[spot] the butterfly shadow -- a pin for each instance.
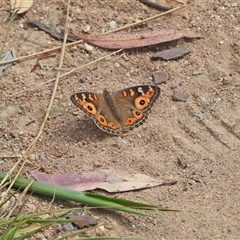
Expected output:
(84, 129)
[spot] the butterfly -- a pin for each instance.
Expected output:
(118, 112)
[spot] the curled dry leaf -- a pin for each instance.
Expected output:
(125, 40)
(21, 6)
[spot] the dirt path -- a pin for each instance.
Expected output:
(205, 130)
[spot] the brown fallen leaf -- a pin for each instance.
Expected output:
(83, 221)
(160, 77)
(178, 96)
(125, 40)
(110, 180)
(53, 32)
(172, 53)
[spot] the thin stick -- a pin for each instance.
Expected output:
(24, 158)
(31, 147)
(65, 74)
(58, 72)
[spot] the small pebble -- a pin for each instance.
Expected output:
(195, 73)
(40, 236)
(203, 99)
(75, 113)
(86, 28)
(73, 48)
(32, 157)
(226, 80)
(44, 216)
(108, 58)
(117, 65)
(87, 47)
(113, 24)
(217, 100)
(100, 231)
(126, 58)
(234, 5)
(198, 115)
(6, 205)
(79, 212)
(129, 20)
(32, 208)
(68, 226)
(84, 78)
(221, 42)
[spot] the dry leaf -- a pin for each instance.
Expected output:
(52, 31)
(110, 180)
(178, 96)
(125, 40)
(172, 53)
(6, 56)
(21, 5)
(83, 221)
(160, 77)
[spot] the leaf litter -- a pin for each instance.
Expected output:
(126, 40)
(6, 56)
(110, 180)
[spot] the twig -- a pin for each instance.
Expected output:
(31, 147)
(58, 73)
(65, 74)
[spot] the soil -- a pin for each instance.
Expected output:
(204, 131)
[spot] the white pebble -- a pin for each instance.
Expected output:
(108, 58)
(117, 65)
(87, 47)
(86, 28)
(217, 100)
(234, 4)
(113, 24)
(32, 157)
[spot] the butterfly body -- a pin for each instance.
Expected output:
(121, 111)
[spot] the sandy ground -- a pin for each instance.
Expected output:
(204, 130)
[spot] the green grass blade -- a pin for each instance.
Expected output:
(77, 196)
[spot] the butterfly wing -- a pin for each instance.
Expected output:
(95, 107)
(135, 103)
